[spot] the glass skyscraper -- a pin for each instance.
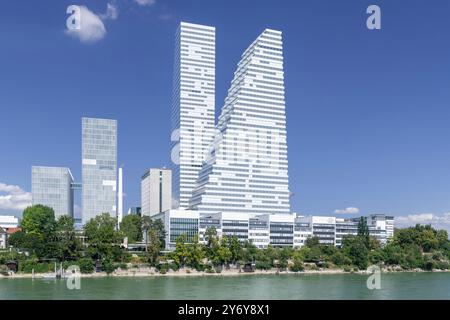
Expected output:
(193, 105)
(51, 186)
(99, 167)
(247, 170)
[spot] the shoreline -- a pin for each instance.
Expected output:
(194, 273)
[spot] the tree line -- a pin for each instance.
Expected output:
(47, 239)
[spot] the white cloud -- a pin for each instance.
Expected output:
(349, 210)
(111, 12)
(13, 197)
(91, 28)
(147, 3)
(439, 221)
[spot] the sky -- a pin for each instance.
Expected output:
(367, 110)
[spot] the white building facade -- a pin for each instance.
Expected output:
(9, 222)
(193, 108)
(277, 230)
(156, 191)
(246, 169)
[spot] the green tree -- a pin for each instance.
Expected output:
(102, 236)
(131, 226)
(154, 246)
(180, 254)
(355, 248)
(312, 242)
(39, 220)
(363, 231)
(68, 246)
(235, 248)
(38, 232)
(194, 253)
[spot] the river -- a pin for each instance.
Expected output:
(301, 286)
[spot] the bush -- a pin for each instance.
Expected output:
(441, 265)
(86, 265)
(27, 266)
(262, 265)
(122, 266)
(347, 268)
(3, 270)
(297, 266)
(174, 266)
(162, 268)
(108, 266)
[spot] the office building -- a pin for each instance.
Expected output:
(99, 168)
(178, 223)
(156, 191)
(193, 109)
(52, 187)
(247, 170)
(278, 230)
(382, 222)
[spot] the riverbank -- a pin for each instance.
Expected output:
(185, 272)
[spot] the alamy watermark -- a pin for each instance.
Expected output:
(73, 281)
(374, 280)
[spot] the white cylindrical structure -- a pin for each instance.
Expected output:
(120, 198)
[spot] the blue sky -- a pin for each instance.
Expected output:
(367, 111)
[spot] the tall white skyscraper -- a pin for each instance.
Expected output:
(247, 170)
(156, 191)
(193, 105)
(52, 187)
(99, 167)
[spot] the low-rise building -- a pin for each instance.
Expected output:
(177, 223)
(7, 222)
(278, 230)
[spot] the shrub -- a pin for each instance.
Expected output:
(108, 266)
(262, 265)
(347, 268)
(441, 265)
(297, 266)
(27, 266)
(122, 266)
(174, 266)
(86, 265)
(163, 268)
(3, 270)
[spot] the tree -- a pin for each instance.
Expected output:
(102, 236)
(355, 248)
(249, 252)
(131, 226)
(68, 246)
(158, 226)
(211, 236)
(195, 253)
(146, 224)
(312, 242)
(363, 231)
(39, 220)
(154, 247)
(38, 232)
(235, 248)
(180, 253)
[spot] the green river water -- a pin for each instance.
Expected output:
(301, 286)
